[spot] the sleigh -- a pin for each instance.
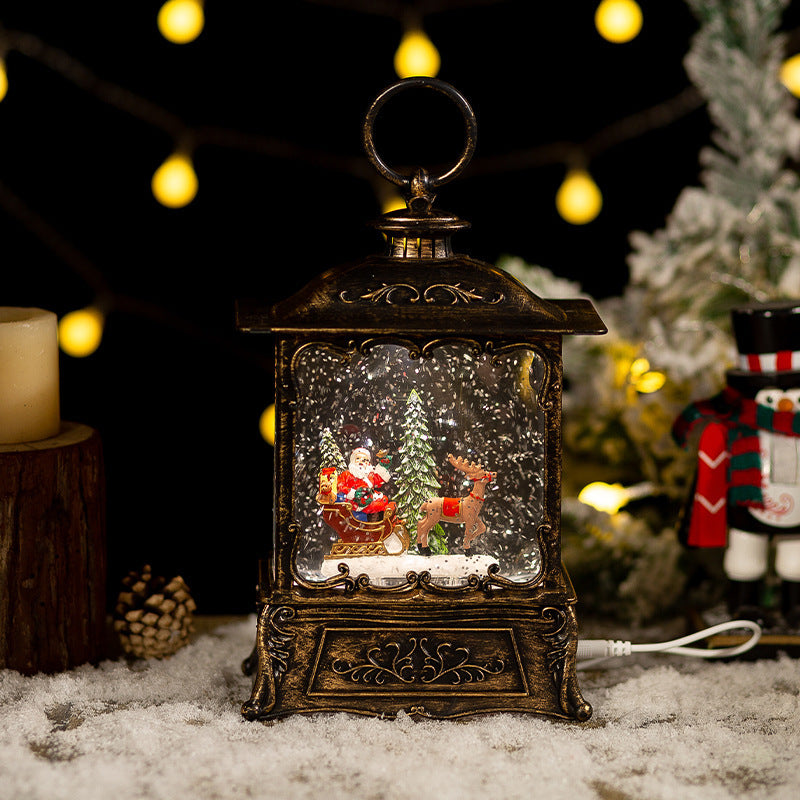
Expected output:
(383, 537)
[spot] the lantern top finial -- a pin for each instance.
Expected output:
(421, 184)
(429, 227)
(396, 290)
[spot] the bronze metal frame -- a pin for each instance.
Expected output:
(346, 644)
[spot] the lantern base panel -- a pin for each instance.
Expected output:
(437, 663)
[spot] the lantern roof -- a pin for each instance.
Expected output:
(420, 286)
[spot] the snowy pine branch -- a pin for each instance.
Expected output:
(737, 238)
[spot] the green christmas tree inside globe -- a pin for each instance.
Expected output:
(415, 474)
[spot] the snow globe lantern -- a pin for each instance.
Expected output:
(417, 558)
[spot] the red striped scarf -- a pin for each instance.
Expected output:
(743, 418)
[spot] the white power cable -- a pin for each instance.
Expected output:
(597, 650)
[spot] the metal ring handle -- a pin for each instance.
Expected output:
(427, 83)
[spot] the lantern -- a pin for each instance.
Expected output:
(417, 558)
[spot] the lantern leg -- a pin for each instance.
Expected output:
(273, 646)
(575, 704)
(562, 644)
(580, 709)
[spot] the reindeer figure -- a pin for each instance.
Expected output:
(463, 510)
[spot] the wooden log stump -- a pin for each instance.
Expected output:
(52, 552)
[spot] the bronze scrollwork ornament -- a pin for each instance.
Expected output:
(416, 565)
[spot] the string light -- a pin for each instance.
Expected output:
(3, 79)
(645, 380)
(578, 199)
(266, 425)
(618, 21)
(611, 497)
(790, 74)
(181, 21)
(80, 332)
(72, 69)
(656, 117)
(416, 55)
(174, 183)
(608, 497)
(392, 202)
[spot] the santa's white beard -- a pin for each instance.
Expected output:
(361, 471)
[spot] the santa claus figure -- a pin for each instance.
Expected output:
(360, 482)
(747, 491)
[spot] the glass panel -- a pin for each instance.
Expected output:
(415, 412)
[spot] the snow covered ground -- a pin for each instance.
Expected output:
(663, 727)
(451, 570)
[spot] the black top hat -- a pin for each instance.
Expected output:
(768, 341)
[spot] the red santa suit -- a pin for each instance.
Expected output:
(377, 477)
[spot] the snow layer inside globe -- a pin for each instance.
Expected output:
(431, 463)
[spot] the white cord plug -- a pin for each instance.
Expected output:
(597, 650)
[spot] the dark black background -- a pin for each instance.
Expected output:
(174, 390)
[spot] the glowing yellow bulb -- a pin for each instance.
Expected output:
(3, 79)
(416, 55)
(645, 380)
(639, 367)
(790, 74)
(618, 21)
(181, 21)
(608, 497)
(578, 199)
(650, 382)
(174, 182)
(266, 425)
(80, 332)
(392, 203)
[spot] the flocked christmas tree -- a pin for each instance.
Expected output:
(737, 238)
(330, 454)
(734, 239)
(415, 474)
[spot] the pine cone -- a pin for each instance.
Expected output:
(153, 618)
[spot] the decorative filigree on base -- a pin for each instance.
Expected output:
(274, 646)
(420, 581)
(454, 663)
(279, 640)
(382, 664)
(558, 640)
(418, 661)
(562, 642)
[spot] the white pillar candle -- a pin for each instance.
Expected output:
(29, 406)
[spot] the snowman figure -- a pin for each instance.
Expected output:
(747, 490)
